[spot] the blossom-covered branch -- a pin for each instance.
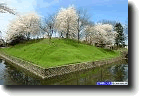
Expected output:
(4, 9)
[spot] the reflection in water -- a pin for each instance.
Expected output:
(10, 75)
(120, 72)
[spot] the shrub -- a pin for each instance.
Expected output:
(17, 39)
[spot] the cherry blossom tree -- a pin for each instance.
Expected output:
(89, 31)
(101, 33)
(30, 24)
(66, 22)
(105, 34)
(13, 29)
(26, 25)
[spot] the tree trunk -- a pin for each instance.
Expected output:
(61, 35)
(86, 38)
(78, 30)
(67, 35)
(78, 37)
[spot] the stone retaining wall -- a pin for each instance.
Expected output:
(58, 70)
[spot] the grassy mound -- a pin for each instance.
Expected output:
(48, 53)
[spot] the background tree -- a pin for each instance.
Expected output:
(66, 22)
(120, 39)
(105, 34)
(126, 31)
(26, 25)
(89, 31)
(82, 21)
(100, 34)
(30, 24)
(111, 22)
(48, 25)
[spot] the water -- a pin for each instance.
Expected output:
(9, 75)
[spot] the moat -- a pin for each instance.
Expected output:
(116, 72)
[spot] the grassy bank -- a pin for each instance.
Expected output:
(58, 52)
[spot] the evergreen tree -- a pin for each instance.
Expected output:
(120, 38)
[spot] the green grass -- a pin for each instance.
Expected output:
(58, 52)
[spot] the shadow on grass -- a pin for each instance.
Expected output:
(71, 42)
(25, 43)
(107, 50)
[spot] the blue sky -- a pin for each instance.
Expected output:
(115, 10)
(98, 9)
